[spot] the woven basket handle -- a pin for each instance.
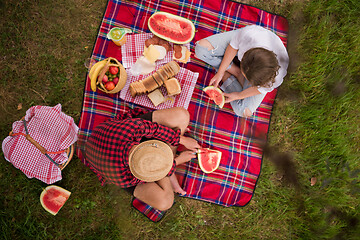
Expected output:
(36, 144)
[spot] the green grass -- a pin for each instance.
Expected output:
(314, 126)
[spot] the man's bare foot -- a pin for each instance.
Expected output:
(175, 185)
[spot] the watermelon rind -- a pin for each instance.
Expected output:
(200, 160)
(191, 24)
(65, 192)
(206, 90)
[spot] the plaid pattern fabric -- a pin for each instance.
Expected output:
(233, 184)
(150, 212)
(108, 147)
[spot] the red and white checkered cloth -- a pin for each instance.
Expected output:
(134, 48)
(53, 130)
(187, 80)
(131, 51)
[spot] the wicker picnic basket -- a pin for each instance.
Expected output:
(69, 151)
(122, 77)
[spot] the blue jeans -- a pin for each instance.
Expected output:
(214, 57)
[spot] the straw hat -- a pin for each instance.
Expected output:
(151, 160)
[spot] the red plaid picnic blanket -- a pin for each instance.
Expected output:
(233, 184)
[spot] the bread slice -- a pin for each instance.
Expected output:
(172, 87)
(156, 97)
(150, 84)
(162, 75)
(157, 78)
(137, 88)
(174, 67)
(132, 90)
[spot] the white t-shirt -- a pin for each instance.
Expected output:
(254, 36)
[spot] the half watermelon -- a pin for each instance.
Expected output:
(209, 160)
(53, 198)
(171, 27)
(216, 95)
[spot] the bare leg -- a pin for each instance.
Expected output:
(158, 194)
(205, 43)
(177, 117)
(233, 70)
(247, 112)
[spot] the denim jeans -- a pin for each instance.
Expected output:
(214, 57)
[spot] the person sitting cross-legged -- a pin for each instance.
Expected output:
(136, 151)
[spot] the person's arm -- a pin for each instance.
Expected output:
(229, 55)
(189, 143)
(184, 157)
(249, 92)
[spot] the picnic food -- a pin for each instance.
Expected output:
(156, 97)
(154, 81)
(94, 72)
(53, 198)
(151, 53)
(113, 70)
(110, 86)
(209, 160)
(142, 66)
(216, 95)
(172, 28)
(108, 75)
(172, 86)
(181, 53)
(146, 63)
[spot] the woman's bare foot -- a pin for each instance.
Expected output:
(175, 185)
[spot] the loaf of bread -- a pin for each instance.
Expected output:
(154, 81)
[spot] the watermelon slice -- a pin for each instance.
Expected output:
(216, 95)
(53, 198)
(172, 28)
(209, 160)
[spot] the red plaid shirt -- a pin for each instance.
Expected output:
(107, 149)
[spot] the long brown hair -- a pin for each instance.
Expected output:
(260, 66)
